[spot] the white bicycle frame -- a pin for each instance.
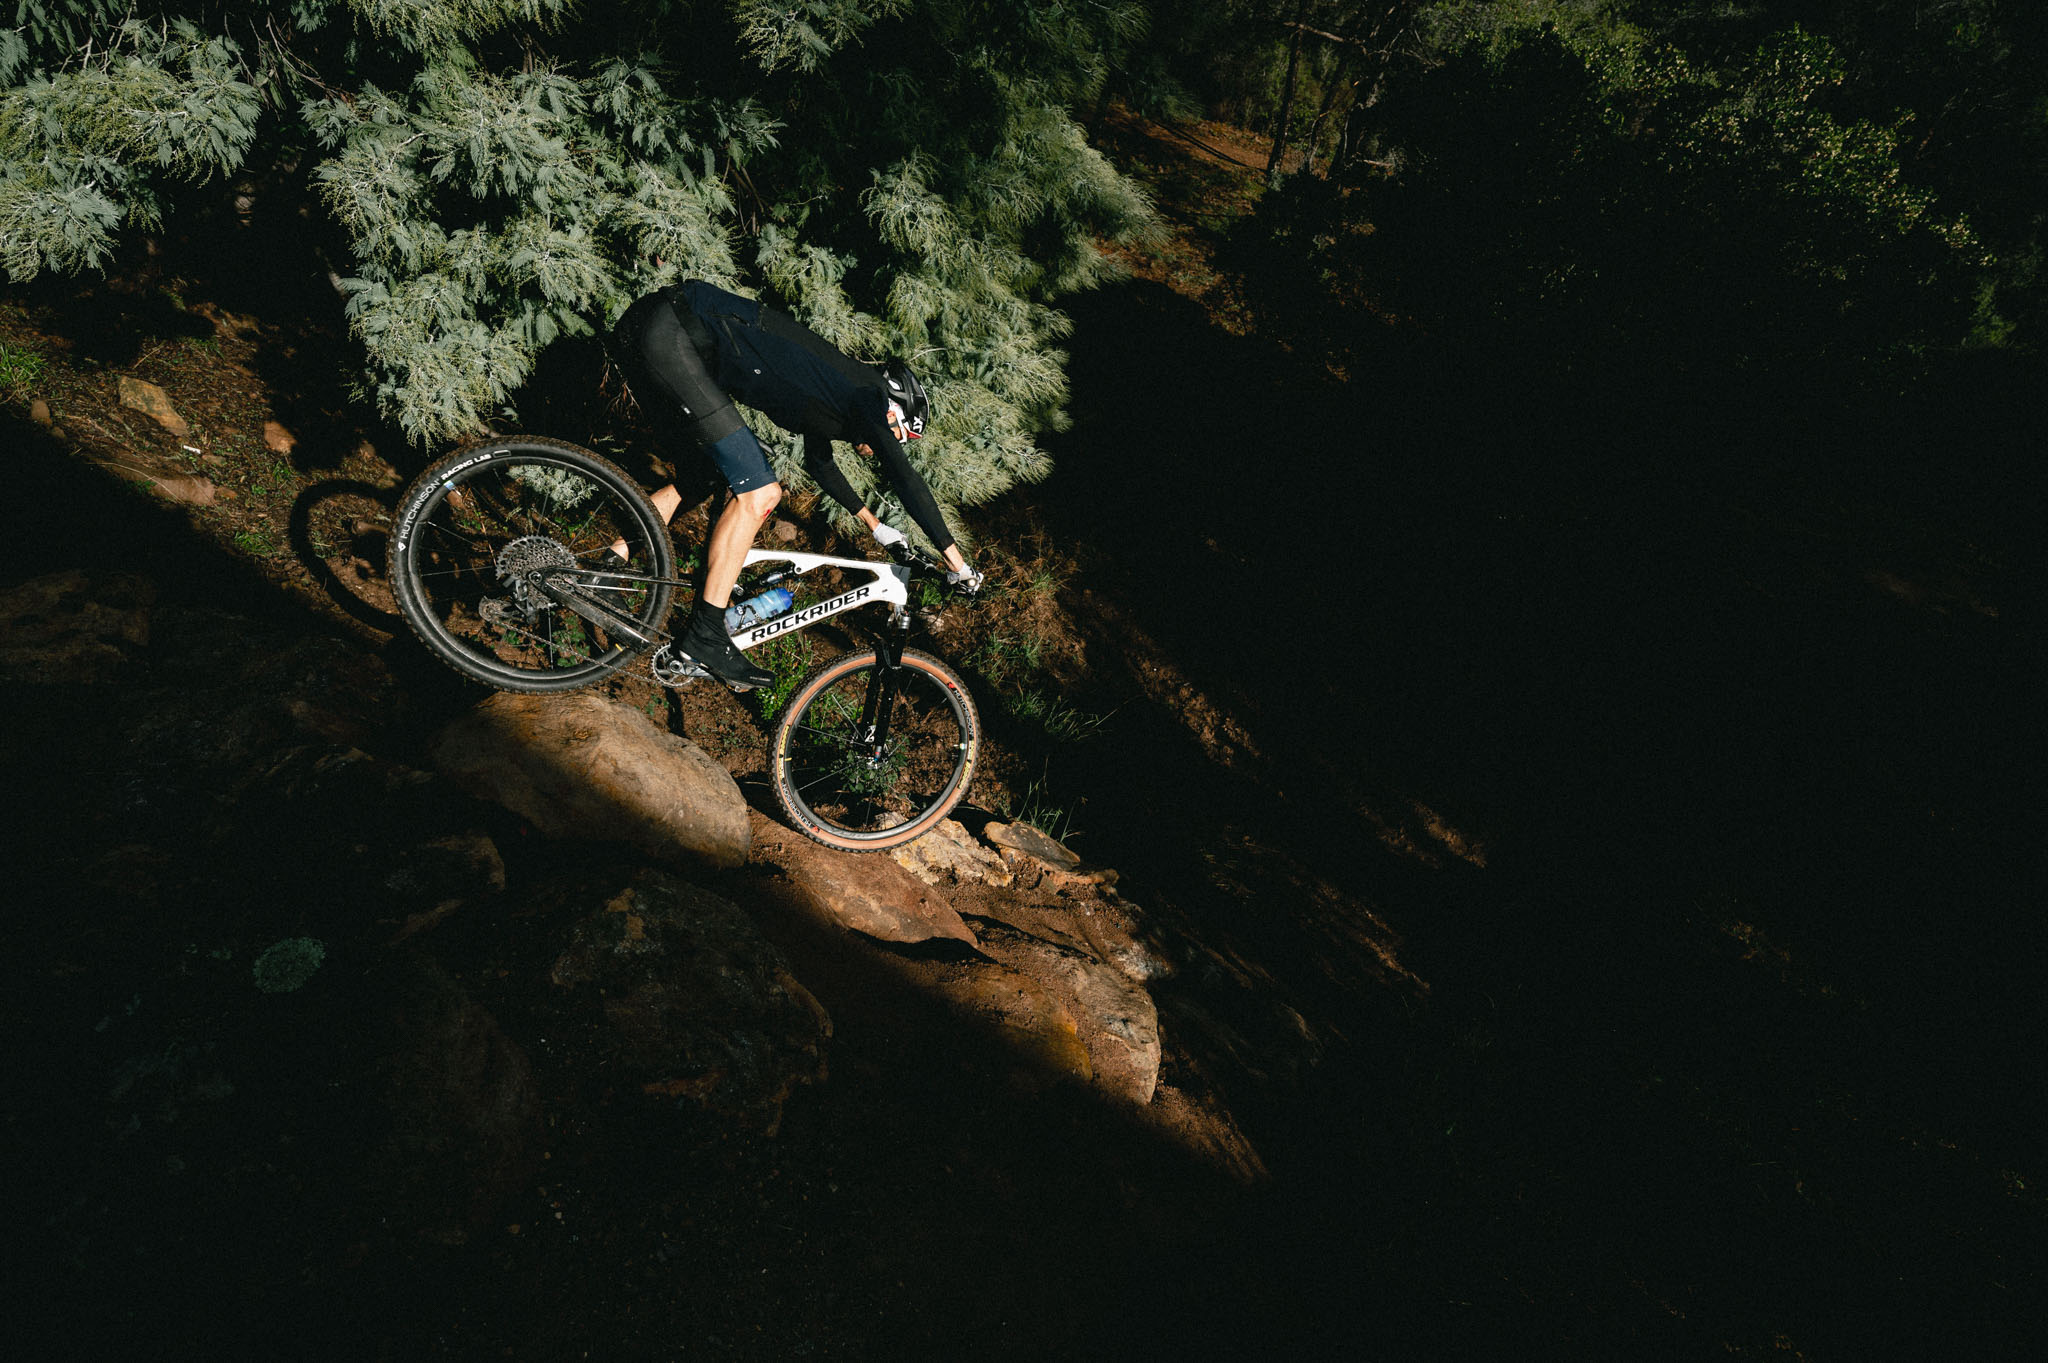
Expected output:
(888, 583)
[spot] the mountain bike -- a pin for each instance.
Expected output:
(505, 561)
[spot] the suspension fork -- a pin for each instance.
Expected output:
(881, 697)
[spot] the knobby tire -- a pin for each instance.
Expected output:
(474, 523)
(839, 792)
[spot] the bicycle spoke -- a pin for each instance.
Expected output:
(548, 644)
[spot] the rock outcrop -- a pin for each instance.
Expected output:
(584, 766)
(867, 894)
(446, 1101)
(1049, 975)
(71, 627)
(950, 853)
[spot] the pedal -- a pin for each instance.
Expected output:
(675, 669)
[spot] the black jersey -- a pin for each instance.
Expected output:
(786, 371)
(702, 346)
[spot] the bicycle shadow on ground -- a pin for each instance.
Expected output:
(340, 530)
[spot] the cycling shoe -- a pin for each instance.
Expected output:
(707, 644)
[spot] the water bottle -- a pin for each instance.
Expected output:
(758, 609)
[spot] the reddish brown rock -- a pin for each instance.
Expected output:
(1022, 837)
(949, 853)
(681, 998)
(1113, 1016)
(160, 477)
(153, 403)
(585, 766)
(1031, 1020)
(858, 892)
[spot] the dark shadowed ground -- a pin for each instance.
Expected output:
(1729, 1038)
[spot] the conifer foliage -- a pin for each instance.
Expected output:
(904, 175)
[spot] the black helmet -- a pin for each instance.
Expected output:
(907, 393)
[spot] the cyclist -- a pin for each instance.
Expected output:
(693, 348)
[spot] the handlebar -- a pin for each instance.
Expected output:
(904, 555)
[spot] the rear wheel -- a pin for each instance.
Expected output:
(858, 780)
(474, 530)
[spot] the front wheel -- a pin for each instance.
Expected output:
(860, 775)
(477, 529)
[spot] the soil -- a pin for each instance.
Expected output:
(1595, 889)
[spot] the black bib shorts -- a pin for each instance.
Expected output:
(667, 354)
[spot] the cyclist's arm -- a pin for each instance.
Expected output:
(917, 498)
(909, 485)
(824, 469)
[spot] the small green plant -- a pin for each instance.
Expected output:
(872, 780)
(19, 371)
(287, 965)
(1043, 580)
(1035, 807)
(791, 659)
(1063, 721)
(326, 540)
(275, 478)
(1003, 656)
(256, 543)
(569, 633)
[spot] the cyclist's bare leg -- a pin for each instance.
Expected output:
(666, 499)
(704, 639)
(732, 536)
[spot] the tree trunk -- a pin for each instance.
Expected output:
(1286, 101)
(1331, 86)
(1371, 87)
